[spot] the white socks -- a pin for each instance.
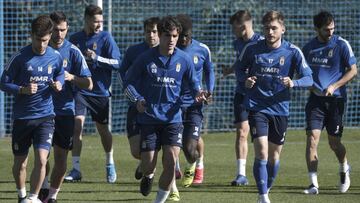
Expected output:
(21, 192)
(161, 196)
(343, 167)
(241, 167)
(313, 179)
(109, 157)
(76, 162)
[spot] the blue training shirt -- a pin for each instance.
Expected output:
(107, 59)
(269, 65)
(74, 63)
(26, 67)
(201, 57)
(329, 62)
(158, 80)
(239, 45)
(130, 56)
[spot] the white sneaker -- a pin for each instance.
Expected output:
(344, 181)
(27, 200)
(263, 199)
(312, 190)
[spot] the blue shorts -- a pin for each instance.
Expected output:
(98, 107)
(274, 127)
(153, 136)
(64, 131)
(132, 126)
(240, 112)
(325, 112)
(192, 120)
(38, 132)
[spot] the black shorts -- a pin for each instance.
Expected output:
(262, 124)
(38, 132)
(153, 136)
(64, 131)
(98, 107)
(192, 120)
(240, 112)
(325, 112)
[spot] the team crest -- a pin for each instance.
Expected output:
(282, 60)
(196, 60)
(65, 63)
(94, 46)
(178, 67)
(331, 53)
(153, 68)
(49, 70)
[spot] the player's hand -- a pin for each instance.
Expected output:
(226, 71)
(68, 76)
(287, 82)
(209, 98)
(250, 82)
(30, 89)
(200, 96)
(56, 85)
(90, 54)
(141, 106)
(330, 90)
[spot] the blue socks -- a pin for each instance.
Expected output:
(261, 175)
(272, 171)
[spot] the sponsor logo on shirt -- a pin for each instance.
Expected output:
(39, 78)
(319, 60)
(166, 80)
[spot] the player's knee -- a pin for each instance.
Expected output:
(334, 145)
(135, 153)
(191, 153)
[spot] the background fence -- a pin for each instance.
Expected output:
(211, 26)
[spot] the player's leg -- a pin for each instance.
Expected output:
(241, 143)
(199, 169)
(334, 127)
(20, 143)
(44, 191)
(314, 121)
(134, 138)
(62, 141)
(80, 112)
(259, 125)
(277, 131)
(149, 153)
(42, 140)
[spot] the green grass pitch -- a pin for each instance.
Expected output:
(219, 171)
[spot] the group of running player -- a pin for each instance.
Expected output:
(55, 85)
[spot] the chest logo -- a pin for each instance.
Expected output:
(49, 69)
(94, 46)
(331, 53)
(282, 60)
(65, 63)
(196, 60)
(178, 67)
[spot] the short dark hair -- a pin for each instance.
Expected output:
(273, 15)
(41, 26)
(169, 23)
(240, 16)
(92, 10)
(151, 22)
(58, 16)
(323, 18)
(185, 22)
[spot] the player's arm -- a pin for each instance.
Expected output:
(7, 80)
(133, 75)
(113, 53)
(81, 76)
(59, 77)
(125, 65)
(194, 83)
(303, 70)
(347, 55)
(209, 77)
